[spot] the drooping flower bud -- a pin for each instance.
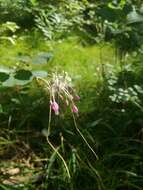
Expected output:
(55, 107)
(74, 109)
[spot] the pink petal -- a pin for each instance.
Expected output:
(74, 109)
(55, 107)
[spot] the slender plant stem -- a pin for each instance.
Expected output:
(84, 138)
(49, 130)
(100, 183)
(52, 146)
(60, 156)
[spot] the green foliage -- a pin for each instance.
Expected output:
(60, 21)
(7, 31)
(111, 106)
(120, 21)
(110, 119)
(19, 11)
(123, 89)
(18, 76)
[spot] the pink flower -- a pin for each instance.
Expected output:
(55, 107)
(74, 109)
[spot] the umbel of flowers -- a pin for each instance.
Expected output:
(60, 88)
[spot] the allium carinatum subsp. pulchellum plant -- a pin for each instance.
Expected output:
(61, 95)
(60, 90)
(61, 86)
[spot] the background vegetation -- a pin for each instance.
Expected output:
(99, 43)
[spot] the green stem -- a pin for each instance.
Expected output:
(84, 138)
(55, 149)
(60, 156)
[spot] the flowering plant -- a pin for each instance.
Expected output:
(60, 87)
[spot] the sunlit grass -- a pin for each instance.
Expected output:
(69, 55)
(83, 63)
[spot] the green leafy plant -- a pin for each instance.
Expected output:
(56, 22)
(7, 31)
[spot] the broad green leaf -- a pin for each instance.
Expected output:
(134, 17)
(40, 73)
(3, 76)
(39, 60)
(42, 58)
(4, 69)
(23, 74)
(11, 82)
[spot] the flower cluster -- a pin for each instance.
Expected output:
(60, 87)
